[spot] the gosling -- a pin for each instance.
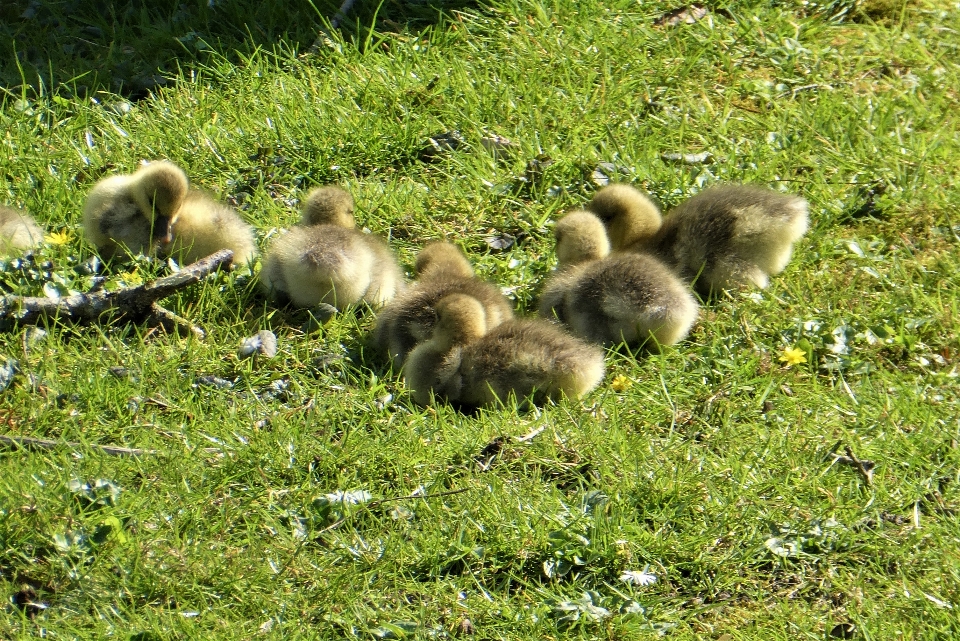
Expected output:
(441, 269)
(726, 237)
(203, 226)
(130, 214)
(18, 230)
(734, 235)
(326, 259)
(467, 363)
(629, 215)
(630, 298)
(154, 211)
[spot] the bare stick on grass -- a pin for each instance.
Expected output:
(133, 303)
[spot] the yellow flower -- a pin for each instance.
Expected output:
(58, 238)
(620, 383)
(793, 356)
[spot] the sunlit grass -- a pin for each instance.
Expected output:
(710, 467)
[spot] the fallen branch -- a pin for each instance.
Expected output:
(173, 323)
(30, 443)
(342, 13)
(133, 303)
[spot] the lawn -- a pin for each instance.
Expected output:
(696, 494)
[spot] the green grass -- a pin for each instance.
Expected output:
(711, 469)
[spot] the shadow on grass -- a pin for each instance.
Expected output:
(131, 47)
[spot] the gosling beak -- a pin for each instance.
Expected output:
(165, 226)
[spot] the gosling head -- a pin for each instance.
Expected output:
(581, 237)
(330, 205)
(461, 319)
(442, 259)
(159, 189)
(129, 213)
(629, 215)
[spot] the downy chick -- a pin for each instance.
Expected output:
(326, 259)
(130, 214)
(625, 297)
(469, 363)
(725, 237)
(733, 235)
(628, 214)
(442, 260)
(154, 210)
(18, 230)
(581, 238)
(441, 269)
(202, 226)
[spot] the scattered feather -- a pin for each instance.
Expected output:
(605, 173)
(501, 242)
(682, 15)
(440, 145)
(263, 343)
(208, 380)
(99, 492)
(702, 158)
(351, 497)
(938, 602)
(586, 607)
(34, 335)
(497, 144)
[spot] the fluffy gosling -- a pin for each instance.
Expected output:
(626, 297)
(18, 230)
(628, 214)
(467, 363)
(130, 214)
(442, 260)
(724, 237)
(202, 226)
(733, 235)
(441, 269)
(326, 259)
(154, 210)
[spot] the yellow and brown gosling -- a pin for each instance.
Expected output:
(155, 211)
(130, 214)
(726, 237)
(608, 299)
(469, 363)
(441, 269)
(733, 235)
(326, 259)
(18, 230)
(628, 214)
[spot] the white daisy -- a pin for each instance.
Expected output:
(639, 577)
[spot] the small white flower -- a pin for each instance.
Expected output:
(639, 577)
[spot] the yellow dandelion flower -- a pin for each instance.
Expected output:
(620, 383)
(58, 238)
(793, 356)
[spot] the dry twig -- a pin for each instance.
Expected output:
(863, 466)
(134, 303)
